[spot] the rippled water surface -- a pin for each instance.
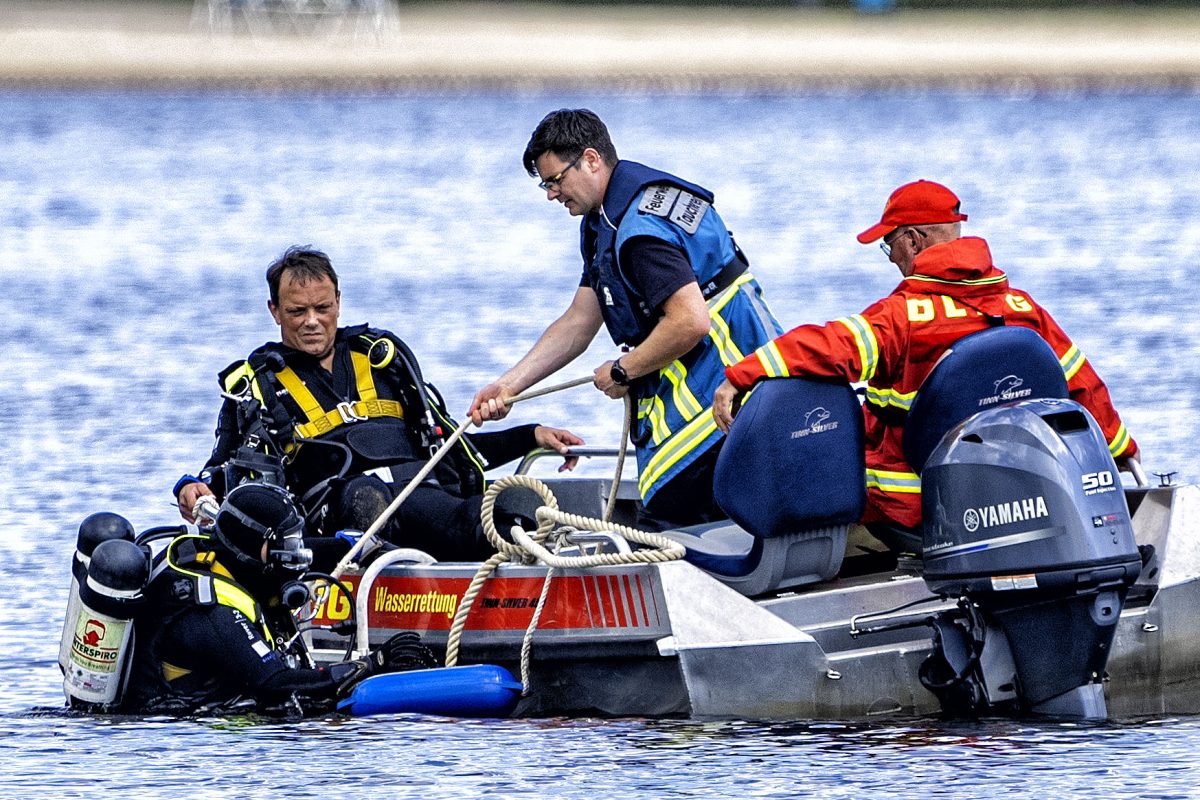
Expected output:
(134, 230)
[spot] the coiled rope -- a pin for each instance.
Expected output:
(530, 548)
(369, 535)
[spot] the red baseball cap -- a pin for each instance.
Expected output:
(916, 203)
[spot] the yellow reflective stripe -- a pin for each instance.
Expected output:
(771, 360)
(243, 373)
(368, 409)
(864, 339)
(1001, 278)
(682, 443)
(300, 393)
(890, 397)
(362, 375)
(658, 421)
(894, 482)
(685, 402)
(719, 302)
(656, 410)
(1072, 361)
(1120, 442)
(718, 331)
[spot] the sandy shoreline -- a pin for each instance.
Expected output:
(513, 44)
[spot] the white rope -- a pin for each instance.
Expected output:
(529, 548)
(527, 639)
(368, 537)
(664, 549)
(621, 449)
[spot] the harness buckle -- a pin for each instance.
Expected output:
(347, 412)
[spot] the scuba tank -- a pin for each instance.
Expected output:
(102, 640)
(99, 527)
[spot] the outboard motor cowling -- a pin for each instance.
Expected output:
(1025, 520)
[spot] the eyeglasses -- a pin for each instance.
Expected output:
(554, 180)
(886, 244)
(888, 241)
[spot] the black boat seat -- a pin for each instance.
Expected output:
(791, 478)
(981, 371)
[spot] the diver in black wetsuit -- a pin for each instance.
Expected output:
(215, 635)
(349, 420)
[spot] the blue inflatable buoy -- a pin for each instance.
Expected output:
(476, 690)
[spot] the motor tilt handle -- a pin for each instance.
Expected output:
(371, 532)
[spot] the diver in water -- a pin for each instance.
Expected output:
(216, 633)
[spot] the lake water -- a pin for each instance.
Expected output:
(134, 231)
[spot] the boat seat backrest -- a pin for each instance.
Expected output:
(981, 371)
(794, 459)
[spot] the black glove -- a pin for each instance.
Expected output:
(400, 653)
(517, 505)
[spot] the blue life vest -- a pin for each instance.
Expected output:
(675, 424)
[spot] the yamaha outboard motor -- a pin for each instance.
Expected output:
(1026, 523)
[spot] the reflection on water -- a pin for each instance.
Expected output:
(422, 757)
(135, 229)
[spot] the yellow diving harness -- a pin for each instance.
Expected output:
(370, 352)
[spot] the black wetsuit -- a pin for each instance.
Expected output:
(203, 647)
(441, 517)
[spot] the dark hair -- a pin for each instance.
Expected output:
(567, 133)
(304, 263)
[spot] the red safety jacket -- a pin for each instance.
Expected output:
(893, 345)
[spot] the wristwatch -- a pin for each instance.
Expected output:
(618, 374)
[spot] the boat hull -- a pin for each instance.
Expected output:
(668, 640)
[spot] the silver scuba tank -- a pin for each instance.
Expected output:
(102, 639)
(99, 527)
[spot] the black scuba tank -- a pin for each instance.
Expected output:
(102, 639)
(99, 527)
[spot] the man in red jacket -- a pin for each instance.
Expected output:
(950, 289)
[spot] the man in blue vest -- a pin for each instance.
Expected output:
(664, 276)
